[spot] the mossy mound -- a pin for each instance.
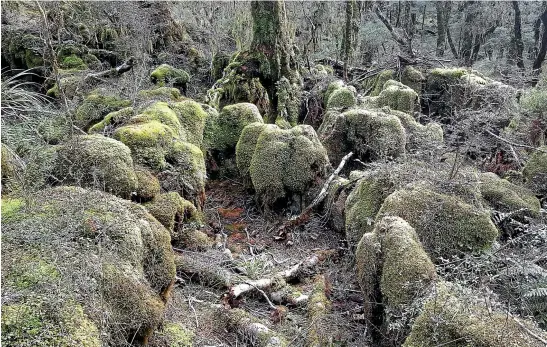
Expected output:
(535, 171)
(369, 134)
(445, 224)
(73, 62)
(161, 94)
(392, 270)
(413, 78)
(363, 203)
(148, 185)
(173, 334)
(395, 95)
(419, 137)
(112, 121)
(450, 318)
(376, 83)
(98, 162)
(284, 162)
(69, 86)
(165, 74)
(96, 106)
(341, 98)
(505, 196)
(224, 132)
(192, 118)
(331, 88)
(83, 268)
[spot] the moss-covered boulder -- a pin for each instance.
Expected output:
(148, 185)
(413, 78)
(284, 162)
(455, 318)
(181, 218)
(97, 162)
(23, 49)
(192, 118)
(166, 74)
(73, 62)
(96, 106)
(535, 171)
(334, 85)
(341, 98)
(392, 270)
(445, 224)
(505, 196)
(70, 85)
(370, 134)
(246, 145)
(364, 202)
(418, 136)
(161, 94)
(375, 84)
(395, 95)
(111, 121)
(82, 268)
(224, 133)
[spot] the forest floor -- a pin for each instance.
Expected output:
(258, 252)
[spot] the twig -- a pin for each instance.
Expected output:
(528, 330)
(264, 295)
(513, 143)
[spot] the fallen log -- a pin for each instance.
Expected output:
(117, 71)
(318, 308)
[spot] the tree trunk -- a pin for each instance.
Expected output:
(346, 40)
(467, 38)
(543, 47)
(448, 7)
(441, 28)
(519, 45)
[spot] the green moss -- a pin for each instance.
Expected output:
(397, 96)
(331, 88)
(246, 145)
(342, 97)
(376, 83)
(32, 270)
(220, 61)
(161, 94)
(363, 204)
(413, 78)
(418, 136)
(112, 120)
(506, 196)
(148, 185)
(167, 74)
(28, 324)
(286, 162)
(96, 106)
(239, 320)
(172, 211)
(11, 209)
(445, 225)
(99, 162)
(149, 142)
(535, 171)
(534, 100)
(318, 307)
(160, 112)
(454, 73)
(73, 62)
(192, 118)
(175, 335)
(407, 269)
(451, 319)
(231, 121)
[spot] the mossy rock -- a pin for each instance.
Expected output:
(161, 94)
(419, 137)
(535, 171)
(450, 318)
(341, 98)
(286, 162)
(246, 145)
(83, 268)
(112, 121)
(363, 203)
(445, 224)
(173, 334)
(96, 106)
(376, 83)
(98, 162)
(23, 50)
(73, 62)
(148, 185)
(70, 86)
(192, 118)
(505, 196)
(534, 100)
(392, 267)
(172, 211)
(220, 62)
(164, 74)
(331, 88)
(230, 122)
(397, 96)
(413, 78)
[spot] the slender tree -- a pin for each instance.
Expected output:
(517, 43)
(543, 46)
(441, 27)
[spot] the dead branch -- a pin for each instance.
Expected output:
(121, 69)
(513, 143)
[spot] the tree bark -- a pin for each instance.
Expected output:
(543, 47)
(519, 45)
(402, 40)
(466, 51)
(346, 40)
(441, 28)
